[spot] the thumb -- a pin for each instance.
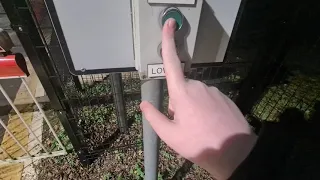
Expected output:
(159, 122)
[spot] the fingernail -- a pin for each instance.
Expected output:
(172, 23)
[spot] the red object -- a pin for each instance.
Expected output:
(13, 66)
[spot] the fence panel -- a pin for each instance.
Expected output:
(23, 139)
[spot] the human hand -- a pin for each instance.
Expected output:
(207, 128)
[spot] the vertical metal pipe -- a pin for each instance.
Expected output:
(77, 82)
(117, 91)
(21, 118)
(152, 91)
(43, 114)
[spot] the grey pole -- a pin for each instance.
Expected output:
(152, 91)
(117, 91)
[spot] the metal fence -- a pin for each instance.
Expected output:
(264, 72)
(22, 139)
(29, 129)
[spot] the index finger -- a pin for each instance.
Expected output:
(171, 61)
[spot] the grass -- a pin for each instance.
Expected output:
(64, 139)
(121, 163)
(131, 83)
(301, 92)
(49, 140)
(137, 172)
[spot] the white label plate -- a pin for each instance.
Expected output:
(173, 1)
(157, 70)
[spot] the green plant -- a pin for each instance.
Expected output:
(58, 160)
(64, 139)
(98, 88)
(95, 114)
(138, 117)
(137, 172)
(119, 177)
(139, 143)
(119, 155)
(167, 155)
(160, 176)
(107, 176)
(70, 162)
(131, 84)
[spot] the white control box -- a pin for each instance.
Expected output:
(148, 19)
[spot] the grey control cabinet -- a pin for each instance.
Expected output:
(98, 34)
(117, 36)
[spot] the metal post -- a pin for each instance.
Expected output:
(118, 99)
(151, 91)
(76, 82)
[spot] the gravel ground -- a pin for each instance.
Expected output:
(99, 123)
(120, 164)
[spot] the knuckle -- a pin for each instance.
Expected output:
(214, 89)
(200, 85)
(196, 86)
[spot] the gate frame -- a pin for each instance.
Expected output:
(22, 21)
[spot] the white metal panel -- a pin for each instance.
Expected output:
(225, 13)
(215, 28)
(98, 33)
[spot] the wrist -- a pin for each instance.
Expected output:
(232, 154)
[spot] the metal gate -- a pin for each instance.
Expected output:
(23, 139)
(29, 131)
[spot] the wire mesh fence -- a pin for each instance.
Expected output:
(113, 146)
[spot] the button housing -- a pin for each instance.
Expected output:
(173, 12)
(148, 20)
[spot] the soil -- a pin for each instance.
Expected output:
(124, 157)
(120, 164)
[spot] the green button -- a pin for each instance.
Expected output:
(175, 14)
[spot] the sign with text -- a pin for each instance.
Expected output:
(157, 70)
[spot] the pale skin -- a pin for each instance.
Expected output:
(207, 127)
